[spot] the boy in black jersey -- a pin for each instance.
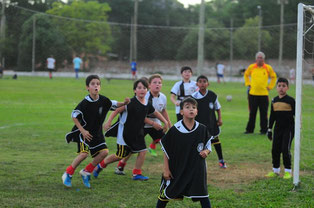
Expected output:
(282, 112)
(88, 117)
(130, 130)
(185, 146)
(208, 105)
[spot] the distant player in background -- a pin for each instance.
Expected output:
(51, 64)
(133, 69)
(208, 106)
(220, 72)
(182, 89)
(88, 117)
(185, 146)
(77, 61)
(282, 113)
(256, 78)
(292, 75)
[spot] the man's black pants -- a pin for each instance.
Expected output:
(261, 103)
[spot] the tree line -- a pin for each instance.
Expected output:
(166, 30)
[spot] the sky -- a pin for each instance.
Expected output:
(187, 2)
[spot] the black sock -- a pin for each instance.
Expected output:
(161, 204)
(205, 203)
(219, 151)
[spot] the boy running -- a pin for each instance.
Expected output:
(208, 106)
(129, 130)
(159, 101)
(182, 89)
(282, 112)
(185, 146)
(88, 117)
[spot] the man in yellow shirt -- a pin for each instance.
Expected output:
(257, 77)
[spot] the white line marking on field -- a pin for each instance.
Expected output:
(9, 126)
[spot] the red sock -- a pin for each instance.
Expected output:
(121, 164)
(89, 168)
(157, 141)
(137, 171)
(102, 164)
(152, 146)
(70, 170)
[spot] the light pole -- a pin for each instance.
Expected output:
(281, 2)
(259, 27)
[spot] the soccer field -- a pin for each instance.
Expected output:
(35, 115)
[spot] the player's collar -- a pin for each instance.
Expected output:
(89, 99)
(182, 128)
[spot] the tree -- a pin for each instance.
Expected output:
(49, 41)
(88, 32)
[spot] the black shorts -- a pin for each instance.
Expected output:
(163, 186)
(123, 151)
(81, 147)
(155, 134)
(215, 140)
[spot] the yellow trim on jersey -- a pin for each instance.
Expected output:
(257, 77)
(282, 106)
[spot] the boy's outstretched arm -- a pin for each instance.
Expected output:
(85, 133)
(153, 124)
(161, 118)
(126, 101)
(112, 116)
(166, 174)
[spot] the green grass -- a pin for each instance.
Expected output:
(35, 116)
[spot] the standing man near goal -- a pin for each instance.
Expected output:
(256, 78)
(51, 65)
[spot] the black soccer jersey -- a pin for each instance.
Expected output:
(188, 168)
(91, 115)
(282, 112)
(207, 105)
(131, 124)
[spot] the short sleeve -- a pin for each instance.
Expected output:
(175, 89)
(114, 105)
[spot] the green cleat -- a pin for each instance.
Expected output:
(287, 175)
(152, 152)
(272, 175)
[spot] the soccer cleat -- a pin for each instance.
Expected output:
(119, 171)
(152, 152)
(287, 175)
(272, 175)
(85, 177)
(96, 171)
(140, 177)
(223, 164)
(66, 178)
(248, 132)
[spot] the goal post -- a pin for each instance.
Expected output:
(301, 32)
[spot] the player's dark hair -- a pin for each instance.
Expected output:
(201, 77)
(144, 82)
(188, 100)
(186, 68)
(90, 78)
(284, 80)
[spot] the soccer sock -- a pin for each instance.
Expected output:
(288, 170)
(102, 164)
(89, 168)
(205, 203)
(276, 170)
(137, 171)
(161, 204)
(121, 164)
(152, 146)
(219, 151)
(70, 170)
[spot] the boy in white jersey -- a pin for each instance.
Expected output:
(182, 89)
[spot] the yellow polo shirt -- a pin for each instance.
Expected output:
(257, 77)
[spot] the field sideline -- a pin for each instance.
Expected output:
(35, 116)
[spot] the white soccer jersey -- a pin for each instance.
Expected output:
(159, 103)
(189, 89)
(51, 63)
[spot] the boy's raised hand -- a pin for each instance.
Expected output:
(126, 101)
